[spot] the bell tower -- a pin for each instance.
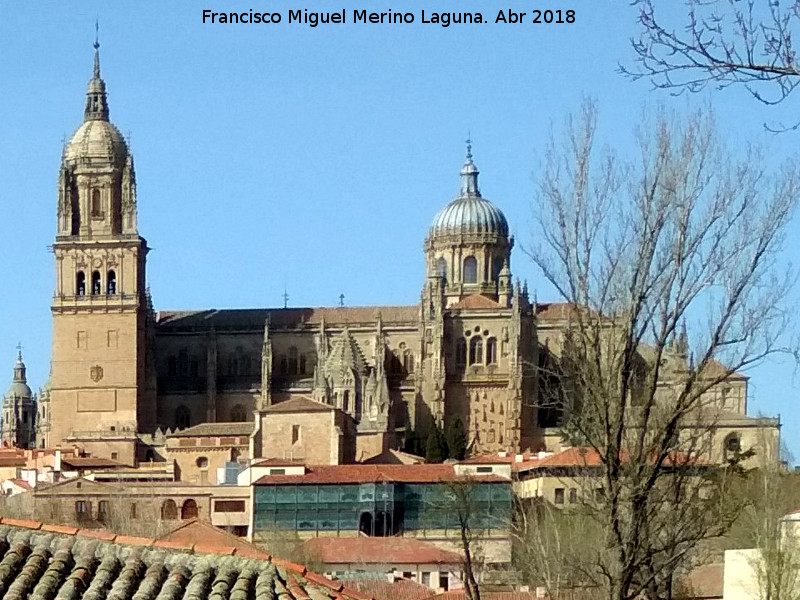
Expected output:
(99, 388)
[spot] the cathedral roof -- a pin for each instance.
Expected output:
(344, 356)
(246, 319)
(470, 212)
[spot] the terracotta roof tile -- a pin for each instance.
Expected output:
(65, 529)
(371, 473)
(130, 540)
(369, 550)
(216, 430)
(220, 574)
(400, 589)
(476, 302)
(100, 534)
(299, 405)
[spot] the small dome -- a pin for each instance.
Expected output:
(19, 386)
(470, 214)
(97, 140)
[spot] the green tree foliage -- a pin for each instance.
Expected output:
(456, 437)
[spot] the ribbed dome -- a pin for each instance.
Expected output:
(97, 140)
(471, 214)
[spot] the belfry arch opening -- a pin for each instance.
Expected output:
(80, 283)
(96, 283)
(111, 283)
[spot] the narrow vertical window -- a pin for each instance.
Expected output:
(97, 205)
(111, 283)
(441, 269)
(476, 351)
(461, 352)
(292, 361)
(295, 434)
(96, 286)
(491, 351)
(80, 283)
(470, 274)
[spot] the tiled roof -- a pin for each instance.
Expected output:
(278, 462)
(371, 474)
(378, 550)
(299, 405)
(252, 319)
(197, 531)
(554, 311)
(12, 461)
(90, 462)
(394, 457)
(476, 301)
(21, 483)
(47, 561)
(460, 595)
(216, 429)
(706, 581)
(399, 589)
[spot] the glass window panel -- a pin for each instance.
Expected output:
(285, 495)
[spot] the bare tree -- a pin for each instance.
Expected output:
(719, 42)
(687, 231)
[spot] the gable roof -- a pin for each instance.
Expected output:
(100, 564)
(394, 457)
(216, 429)
(299, 405)
(197, 531)
(476, 302)
(378, 551)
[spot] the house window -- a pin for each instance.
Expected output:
(461, 352)
(229, 506)
(302, 364)
(483, 470)
(83, 510)
(573, 495)
(189, 510)
(491, 351)
(114, 455)
(202, 462)
(102, 511)
(277, 471)
(559, 496)
(133, 510)
(408, 361)
(476, 351)
(470, 270)
(426, 578)
(295, 434)
(732, 446)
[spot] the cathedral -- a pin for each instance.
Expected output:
(122, 371)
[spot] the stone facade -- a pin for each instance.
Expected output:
(468, 351)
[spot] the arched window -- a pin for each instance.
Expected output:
(292, 360)
(111, 283)
(302, 364)
(408, 361)
(80, 283)
(441, 268)
(183, 417)
(346, 401)
(732, 446)
(238, 414)
(96, 287)
(461, 352)
(169, 510)
(189, 510)
(97, 205)
(233, 365)
(491, 351)
(476, 350)
(470, 274)
(202, 462)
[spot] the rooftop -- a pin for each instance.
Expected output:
(216, 429)
(43, 561)
(378, 550)
(331, 474)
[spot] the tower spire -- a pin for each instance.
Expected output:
(96, 101)
(469, 174)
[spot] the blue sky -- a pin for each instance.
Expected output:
(272, 156)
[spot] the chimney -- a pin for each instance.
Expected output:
(518, 458)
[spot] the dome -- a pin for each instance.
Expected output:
(97, 140)
(470, 214)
